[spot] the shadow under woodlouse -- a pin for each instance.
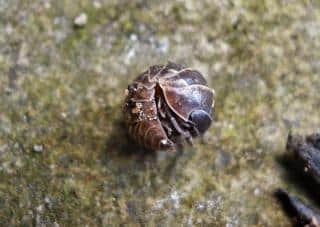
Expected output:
(119, 144)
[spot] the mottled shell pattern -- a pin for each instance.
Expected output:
(166, 105)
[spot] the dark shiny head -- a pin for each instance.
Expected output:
(201, 119)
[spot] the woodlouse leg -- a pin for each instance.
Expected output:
(167, 128)
(176, 126)
(189, 140)
(160, 110)
(196, 130)
(165, 113)
(190, 124)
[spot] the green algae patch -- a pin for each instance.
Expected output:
(65, 157)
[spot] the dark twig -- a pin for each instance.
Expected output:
(307, 151)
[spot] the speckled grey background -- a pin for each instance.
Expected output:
(65, 159)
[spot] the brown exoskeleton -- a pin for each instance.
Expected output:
(166, 105)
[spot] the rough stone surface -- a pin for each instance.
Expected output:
(62, 88)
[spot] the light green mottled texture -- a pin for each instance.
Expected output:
(65, 158)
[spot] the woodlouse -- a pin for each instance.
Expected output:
(166, 105)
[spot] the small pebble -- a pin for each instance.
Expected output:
(47, 200)
(38, 148)
(64, 115)
(55, 224)
(9, 29)
(97, 4)
(47, 5)
(257, 191)
(40, 209)
(133, 37)
(81, 20)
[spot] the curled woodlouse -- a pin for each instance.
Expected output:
(166, 105)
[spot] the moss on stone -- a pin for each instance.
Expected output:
(62, 87)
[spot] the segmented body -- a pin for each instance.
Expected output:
(159, 104)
